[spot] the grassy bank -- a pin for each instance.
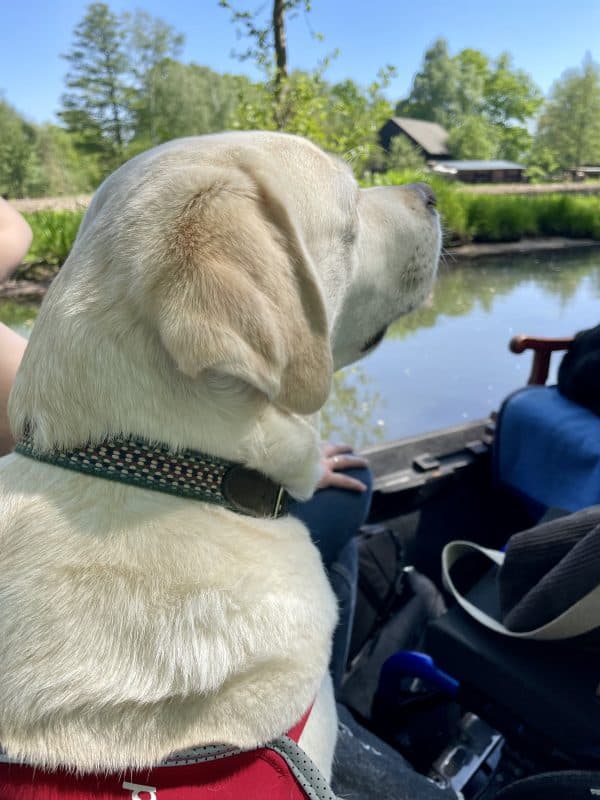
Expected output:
(53, 235)
(466, 217)
(505, 218)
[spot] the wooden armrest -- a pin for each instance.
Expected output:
(543, 348)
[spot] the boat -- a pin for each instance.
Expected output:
(472, 710)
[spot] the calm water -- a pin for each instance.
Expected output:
(448, 362)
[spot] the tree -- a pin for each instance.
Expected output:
(151, 43)
(187, 100)
(403, 155)
(570, 123)
(268, 48)
(18, 162)
(514, 143)
(542, 164)
(473, 71)
(39, 160)
(98, 107)
(509, 95)
(435, 93)
(483, 103)
(63, 170)
(342, 118)
(475, 137)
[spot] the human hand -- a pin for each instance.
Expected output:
(340, 457)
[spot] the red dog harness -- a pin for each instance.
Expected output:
(278, 771)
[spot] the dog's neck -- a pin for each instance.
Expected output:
(189, 474)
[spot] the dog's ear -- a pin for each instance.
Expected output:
(241, 296)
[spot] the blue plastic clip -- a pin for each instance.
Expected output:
(407, 663)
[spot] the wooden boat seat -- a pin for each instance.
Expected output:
(542, 348)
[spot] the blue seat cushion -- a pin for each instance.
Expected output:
(547, 449)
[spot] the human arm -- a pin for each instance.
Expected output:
(12, 347)
(15, 238)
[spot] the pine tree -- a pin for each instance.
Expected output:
(97, 109)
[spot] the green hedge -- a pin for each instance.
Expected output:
(466, 217)
(504, 218)
(53, 235)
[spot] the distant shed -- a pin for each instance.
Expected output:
(429, 137)
(480, 171)
(581, 173)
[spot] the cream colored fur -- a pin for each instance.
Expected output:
(214, 285)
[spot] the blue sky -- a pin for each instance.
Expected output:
(544, 36)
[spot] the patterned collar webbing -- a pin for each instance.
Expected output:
(189, 474)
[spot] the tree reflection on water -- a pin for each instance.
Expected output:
(461, 288)
(349, 415)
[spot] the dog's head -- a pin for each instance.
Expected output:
(246, 260)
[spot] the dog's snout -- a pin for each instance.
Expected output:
(425, 192)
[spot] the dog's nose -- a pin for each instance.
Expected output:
(425, 191)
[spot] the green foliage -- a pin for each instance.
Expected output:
(115, 82)
(568, 215)
(542, 163)
(481, 102)
(38, 160)
(18, 162)
(570, 123)
(500, 218)
(435, 91)
(341, 118)
(404, 155)
(450, 88)
(475, 137)
(509, 94)
(53, 235)
(151, 45)
(97, 108)
(187, 100)
(514, 143)
(62, 169)
(348, 414)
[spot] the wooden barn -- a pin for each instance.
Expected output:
(428, 137)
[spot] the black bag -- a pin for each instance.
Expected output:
(381, 582)
(394, 604)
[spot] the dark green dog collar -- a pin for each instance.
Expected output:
(188, 474)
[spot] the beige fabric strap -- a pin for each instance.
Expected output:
(581, 617)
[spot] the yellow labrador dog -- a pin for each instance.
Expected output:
(215, 284)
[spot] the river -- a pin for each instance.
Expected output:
(448, 362)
